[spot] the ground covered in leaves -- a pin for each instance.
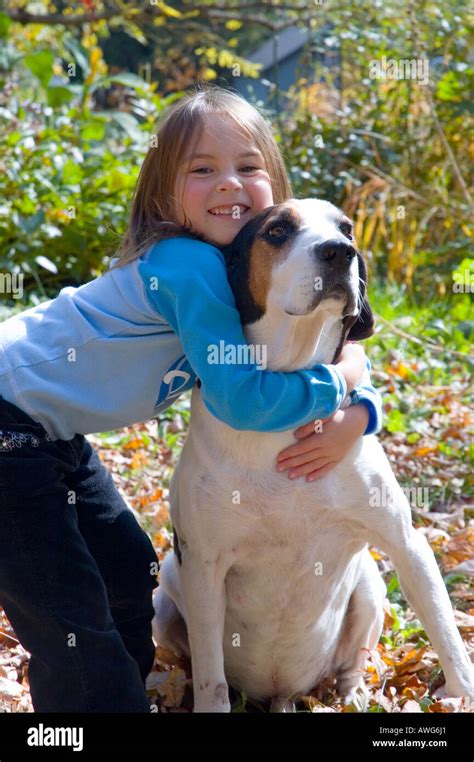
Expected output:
(427, 436)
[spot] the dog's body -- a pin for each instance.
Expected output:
(273, 577)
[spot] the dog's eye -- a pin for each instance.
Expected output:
(276, 231)
(346, 229)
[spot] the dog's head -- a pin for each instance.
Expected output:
(299, 257)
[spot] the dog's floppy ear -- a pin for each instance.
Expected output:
(360, 326)
(363, 326)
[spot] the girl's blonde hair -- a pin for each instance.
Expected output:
(153, 209)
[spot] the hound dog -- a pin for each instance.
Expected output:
(277, 590)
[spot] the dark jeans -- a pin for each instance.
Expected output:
(76, 572)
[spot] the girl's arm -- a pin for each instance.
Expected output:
(186, 283)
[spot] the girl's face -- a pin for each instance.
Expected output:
(224, 186)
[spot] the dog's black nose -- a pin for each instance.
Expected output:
(339, 251)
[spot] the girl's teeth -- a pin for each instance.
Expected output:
(225, 212)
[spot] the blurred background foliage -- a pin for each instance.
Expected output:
(82, 87)
(76, 117)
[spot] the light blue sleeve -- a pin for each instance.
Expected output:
(370, 397)
(186, 283)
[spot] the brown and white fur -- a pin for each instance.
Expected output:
(271, 586)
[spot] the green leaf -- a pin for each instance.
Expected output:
(13, 138)
(395, 421)
(393, 585)
(239, 706)
(94, 130)
(5, 22)
(126, 78)
(58, 96)
(41, 64)
(128, 124)
(30, 224)
(129, 80)
(425, 703)
(27, 207)
(79, 53)
(449, 87)
(117, 180)
(466, 327)
(72, 172)
(74, 240)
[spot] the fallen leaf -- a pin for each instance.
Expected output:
(10, 688)
(412, 706)
(172, 689)
(459, 549)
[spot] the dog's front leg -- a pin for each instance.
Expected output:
(203, 587)
(424, 589)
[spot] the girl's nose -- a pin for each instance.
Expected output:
(228, 182)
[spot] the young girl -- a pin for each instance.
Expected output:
(76, 570)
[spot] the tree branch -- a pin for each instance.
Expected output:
(20, 16)
(213, 13)
(426, 343)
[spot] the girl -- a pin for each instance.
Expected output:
(76, 570)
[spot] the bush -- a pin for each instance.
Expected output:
(67, 171)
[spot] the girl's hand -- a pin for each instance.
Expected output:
(317, 453)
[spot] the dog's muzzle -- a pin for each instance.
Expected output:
(334, 260)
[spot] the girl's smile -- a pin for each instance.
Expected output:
(230, 213)
(236, 210)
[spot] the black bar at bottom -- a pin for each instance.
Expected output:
(84, 736)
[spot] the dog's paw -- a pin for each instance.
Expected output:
(354, 692)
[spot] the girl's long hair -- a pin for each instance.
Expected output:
(153, 211)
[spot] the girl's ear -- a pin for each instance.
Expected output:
(363, 326)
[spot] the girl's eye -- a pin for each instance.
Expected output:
(242, 169)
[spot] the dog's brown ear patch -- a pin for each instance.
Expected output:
(237, 259)
(251, 257)
(262, 259)
(265, 252)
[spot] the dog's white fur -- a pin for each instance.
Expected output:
(277, 587)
